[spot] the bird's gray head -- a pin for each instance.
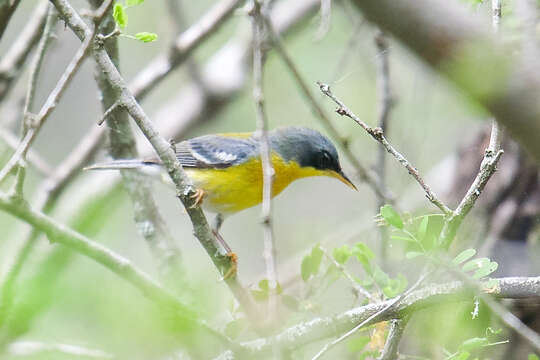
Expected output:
(309, 148)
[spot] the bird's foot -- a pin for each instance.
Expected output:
(198, 196)
(231, 272)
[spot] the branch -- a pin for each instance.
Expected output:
(7, 8)
(377, 134)
(33, 157)
(500, 311)
(185, 189)
(16, 55)
(54, 96)
(147, 217)
(364, 174)
(375, 317)
(147, 79)
(384, 105)
(121, 266)
(467, 54)
(397, 326)
(258, 11)
(488, 166)
(432, 295)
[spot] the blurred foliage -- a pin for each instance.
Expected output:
(63, 297)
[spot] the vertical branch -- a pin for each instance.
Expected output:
(488, 167)
(267, 169)
(43, 44)
(397, 326)
(496, 130)
(384, 105)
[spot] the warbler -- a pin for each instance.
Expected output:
(227, 168)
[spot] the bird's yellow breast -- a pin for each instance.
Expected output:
(240, 186)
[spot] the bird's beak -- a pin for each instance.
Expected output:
(343, 178)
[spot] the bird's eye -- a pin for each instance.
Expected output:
(325, 161)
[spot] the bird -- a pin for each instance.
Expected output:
(226, 168)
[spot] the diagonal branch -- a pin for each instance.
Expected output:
(184, 187)
(149, 222)
(15, 57)
(378, 135)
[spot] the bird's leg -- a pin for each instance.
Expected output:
(198, 196)
(231, 272)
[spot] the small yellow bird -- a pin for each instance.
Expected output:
(227, 168)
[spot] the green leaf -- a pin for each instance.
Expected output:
(403, 238)
(463, 355)
(260, 295)
(134, 2)
(532, 357)
(305, 268)
(413, 254)
(422, 229)
(485, 270)
(380, 277)
(311, 263)
(263, 285)
(342, 254)
(146, 37)
(395, 286)
(291, 302)
(358, 344)
(391, 216)
(473, 344)
(464, 256)
(316, 254)
(491, 284)
(119, 15)
(475, 264)
(363, 254)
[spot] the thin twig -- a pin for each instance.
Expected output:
(378, 135)
(56, 93)
(384, 105)
(397, 326)
(44, 42)
(33, 157)
(269, 253)
(16, 56)
(374, 317)
(364, 174)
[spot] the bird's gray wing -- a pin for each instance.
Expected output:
(215, 151)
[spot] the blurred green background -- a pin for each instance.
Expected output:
(82, 303)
